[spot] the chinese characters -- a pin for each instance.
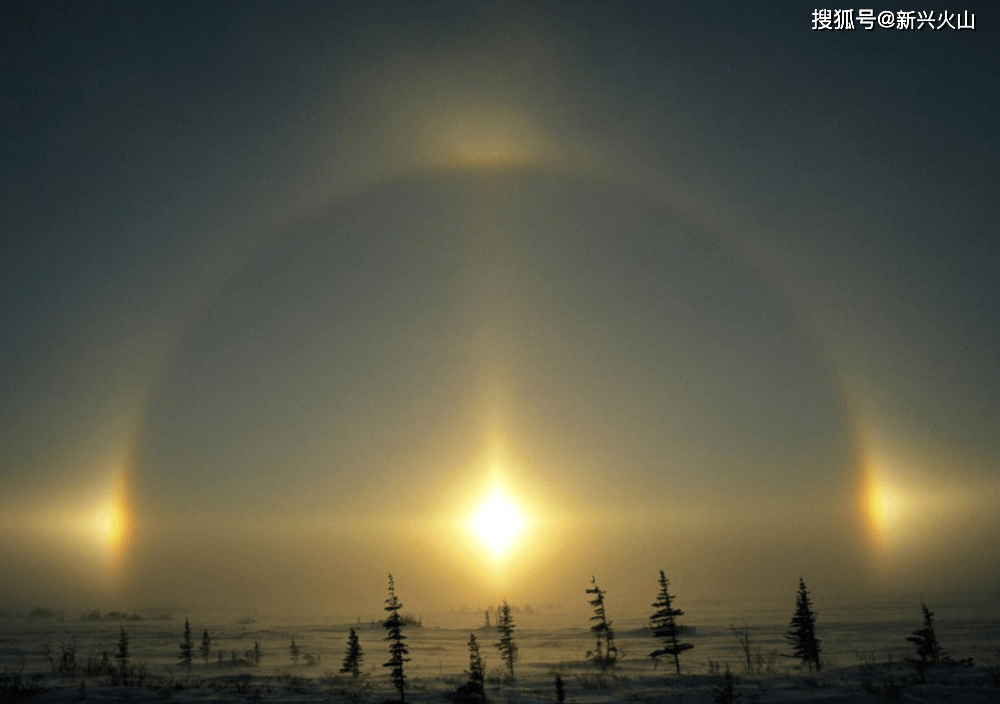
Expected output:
(905, 20)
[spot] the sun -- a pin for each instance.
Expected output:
(498, 523)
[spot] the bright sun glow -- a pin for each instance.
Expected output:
(109, 523)
(498, 523)
(112, 521)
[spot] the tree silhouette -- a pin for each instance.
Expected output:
(397, 642)
(294, 651)
(506, 644)
(187, 647)
(605, 653)
(206, 646)
(665, 626)
(121, 654)
(802, 636)
(473, 691)
(725, 692)
(926, 641)
(353, 656)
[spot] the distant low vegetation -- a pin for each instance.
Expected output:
(45, 613)
(40, 612)
(409, 619)
(95, 615)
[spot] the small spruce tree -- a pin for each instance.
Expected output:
(802, 636)
(725, 692)
(560, 689)
(605, 653)
(506, 644)
(293, 652)
(353, 656)
(477, 668)
(665, 626)
(187, 647)
(473, 691)
(121, 654)
(205, 649)
(926, 641)
(397, 642)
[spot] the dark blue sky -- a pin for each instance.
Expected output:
(702, 265)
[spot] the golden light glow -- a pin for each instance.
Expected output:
(112, 522)
(880, 507)
(490, 136)
(109, 522)
(902, 513)
(498, 523)
(884, 503)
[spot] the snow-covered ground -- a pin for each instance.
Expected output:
(864, 652)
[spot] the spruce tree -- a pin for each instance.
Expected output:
(121, 654)
(353, 656)
(605, 653)
(206, 646)
(397, 642)
(926, 641)
(506, 644)
(665, 626)
(187, 647)
(294, 652)
(802, 636)
(473, 691)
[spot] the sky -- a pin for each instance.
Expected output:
(290, 292)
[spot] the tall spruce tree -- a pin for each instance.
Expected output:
(506, 644)
(605, 652)
(665, 626)
(802, 636)
(353, 656)
(396, 640)
(926, 641)
(187, 647)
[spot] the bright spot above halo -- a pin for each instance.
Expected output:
(498, 523)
